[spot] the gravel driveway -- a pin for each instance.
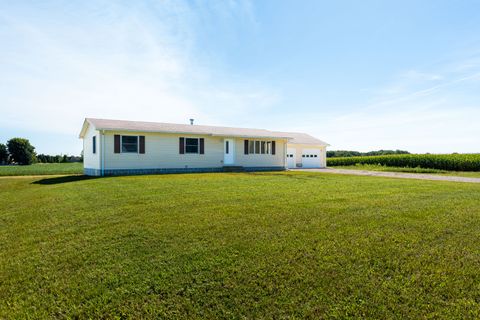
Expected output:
(404, 175)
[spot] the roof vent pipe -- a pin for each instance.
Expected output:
(191, 121)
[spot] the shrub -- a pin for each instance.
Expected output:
(21, 151)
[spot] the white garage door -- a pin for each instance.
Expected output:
(291, 158)
(310, 158)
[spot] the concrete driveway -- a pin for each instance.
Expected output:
(404, 175)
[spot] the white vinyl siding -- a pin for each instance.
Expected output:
(91, 160)
(162, 151)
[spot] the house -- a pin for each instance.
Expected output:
(117, 147)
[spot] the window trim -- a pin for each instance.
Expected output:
(185, 146)
(121, 144)
(260, 147)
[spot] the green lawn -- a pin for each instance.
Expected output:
(373, 167)
(42, 169)
(208, 246)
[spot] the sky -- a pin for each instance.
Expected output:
(361, 75)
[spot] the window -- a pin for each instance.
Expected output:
(263, 147)
(251, 146)
(129, 144)
(259, 147)
(191, 145)
(94, 144)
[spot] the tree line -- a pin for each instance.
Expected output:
(21, 151)
(347, 153)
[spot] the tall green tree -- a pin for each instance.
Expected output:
(3, 154)
(21, 151)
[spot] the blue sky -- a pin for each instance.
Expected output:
(361, 75)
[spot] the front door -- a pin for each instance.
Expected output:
(291, 158)
(229, 152)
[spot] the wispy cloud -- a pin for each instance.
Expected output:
(63, 61)
(133, 61)
(421, 111)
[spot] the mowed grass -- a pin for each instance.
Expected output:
(374, 167)
(265, 245)
(42, 169)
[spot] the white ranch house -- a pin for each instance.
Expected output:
(117, 147)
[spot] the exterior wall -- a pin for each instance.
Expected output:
(91, 160)
(162, 155)
(260, 160)
(161, 151)
(300, 147)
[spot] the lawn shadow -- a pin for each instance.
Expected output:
(64, 179)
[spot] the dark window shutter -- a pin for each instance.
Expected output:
(273, 147)
(116, 146)
(202, 145)
(181, 145)
(94, 144)
(142, 144)
(245, 147)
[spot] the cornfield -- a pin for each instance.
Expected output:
(453, 162)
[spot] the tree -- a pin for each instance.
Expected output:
(3, 154)
(21, 151)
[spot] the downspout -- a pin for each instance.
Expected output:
(102, 154)
(285, 155)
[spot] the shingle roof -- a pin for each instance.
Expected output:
(140, 126)
(303, 138)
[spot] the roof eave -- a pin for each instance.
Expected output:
(311, 144)
(194, 133)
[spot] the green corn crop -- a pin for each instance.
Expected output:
(452, 162)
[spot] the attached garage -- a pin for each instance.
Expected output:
(305, 151)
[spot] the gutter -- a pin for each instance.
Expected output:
(197, 133)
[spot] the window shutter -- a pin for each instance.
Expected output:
(142, 144)
(182, 146)
(273, 147)
(94, 144)
(245, 147)
(116, 146)
(202, 145)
